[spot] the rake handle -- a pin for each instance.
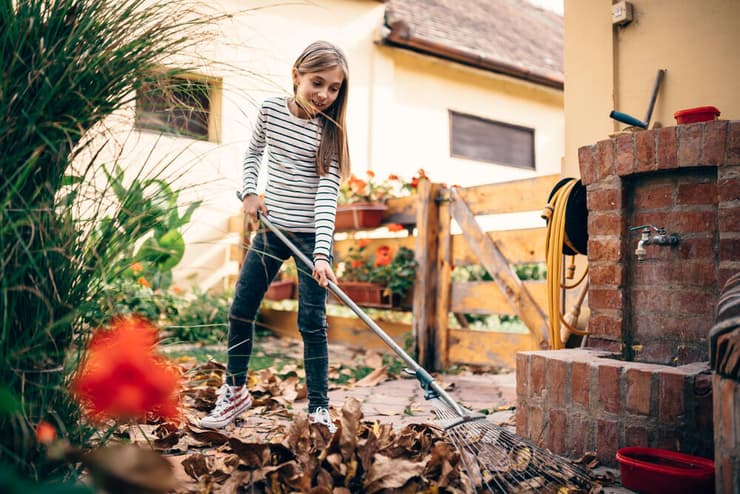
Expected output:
(427, 381)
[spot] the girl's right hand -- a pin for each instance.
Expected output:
(252, 204)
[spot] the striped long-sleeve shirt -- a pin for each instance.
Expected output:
(296, 197)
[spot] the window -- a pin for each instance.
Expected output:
(187, 105)
(480, 139)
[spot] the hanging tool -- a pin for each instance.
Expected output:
(629, 119)
(494, 458)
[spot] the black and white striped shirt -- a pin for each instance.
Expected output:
(297, 198)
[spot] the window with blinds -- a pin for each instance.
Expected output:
(480, 139)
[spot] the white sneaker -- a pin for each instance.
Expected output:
(321, 416)
(232, 401)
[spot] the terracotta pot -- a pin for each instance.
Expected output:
(365, 294)
(279, 290)
(358, 216)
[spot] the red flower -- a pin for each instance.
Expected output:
(370, 174)
(45, 432)
(143, 282)
(122, 377)
(363, 242)
(357, 263)
(383, 256)
(395, 227)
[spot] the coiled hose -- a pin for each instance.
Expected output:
(556, 241)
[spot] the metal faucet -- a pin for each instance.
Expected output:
(660, 238)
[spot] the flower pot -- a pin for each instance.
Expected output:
(279, 290)
(365, 294)
(358, 216)
(698, 114)
(658, 471)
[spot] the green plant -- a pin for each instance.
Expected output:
(201, 317)
(396, 272)
(67, 66)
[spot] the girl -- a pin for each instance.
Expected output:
(307, 154)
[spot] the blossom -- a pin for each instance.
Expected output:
(45, 432)
(137, 268)
(383, 256)
(395, 227)
(122, 377)
(143, 282)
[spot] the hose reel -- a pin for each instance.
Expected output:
(566, 215)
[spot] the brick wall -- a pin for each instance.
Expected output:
(644, 380)
(590, 401)
(687, 180)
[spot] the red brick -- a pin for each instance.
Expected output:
(607, 441)
(609, 389)
(637, 435)
(537, 374)
(639, 391)
(689, 144)
(605, 326)
(669, 439)
(606, 199)
(580, 385)
(645, 157)
(728, 219)
(641, 217)
(729, 249)
(605, 250)
(715, 138)
(728, 189)
(732, 156)
(587, 164)
(651, 299)
(536, 424)
(692, 222)
(556, 431)
(625, 147)
(522, 422)
(606, 344)
(697, 248)
(522, 375)
(605, 158)
(652, 197)
(692, 301)
(605, 298)
(697, 193)
(606, 223)
(691, 273)
(606, 274)
(667, 149)
(671, 398)
(556, 380)
(579, 438)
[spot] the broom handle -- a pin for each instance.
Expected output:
(432, 389)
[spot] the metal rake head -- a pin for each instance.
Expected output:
(498, 460)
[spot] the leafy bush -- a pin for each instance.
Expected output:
(202, 317)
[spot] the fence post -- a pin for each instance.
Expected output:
(425, 290)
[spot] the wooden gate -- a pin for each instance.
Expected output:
(436, 296)
(438, 250)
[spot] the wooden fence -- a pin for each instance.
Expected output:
(436, 299)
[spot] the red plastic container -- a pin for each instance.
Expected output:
(698, 114)
(659, 471)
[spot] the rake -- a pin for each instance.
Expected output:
(495, 459)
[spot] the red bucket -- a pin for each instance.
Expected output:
(698, 114)
(659, 471)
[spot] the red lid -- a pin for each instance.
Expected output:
(694, 111)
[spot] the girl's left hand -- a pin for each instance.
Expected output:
(323, 273)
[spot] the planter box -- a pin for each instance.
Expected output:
(358, 216)
(280, 290)
(364, 294)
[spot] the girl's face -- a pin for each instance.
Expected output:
(317, 91)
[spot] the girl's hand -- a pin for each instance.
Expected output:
(252, 204)
(323, 273)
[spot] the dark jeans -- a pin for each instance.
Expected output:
(263, 260)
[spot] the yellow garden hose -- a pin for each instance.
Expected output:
(556, 237)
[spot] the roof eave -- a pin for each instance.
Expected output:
(399, 34)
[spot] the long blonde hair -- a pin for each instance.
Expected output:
(319, 56)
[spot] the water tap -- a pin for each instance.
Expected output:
(660, 238)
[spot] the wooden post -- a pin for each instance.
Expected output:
(440, 324)
(425, 290)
